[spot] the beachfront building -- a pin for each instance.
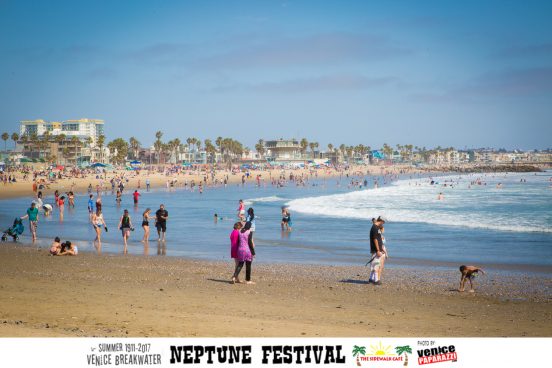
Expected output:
(81, 128)
(283, 150)
(73, 142)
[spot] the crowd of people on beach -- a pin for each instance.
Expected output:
(242, 235)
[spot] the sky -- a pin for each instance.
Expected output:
(428, 73)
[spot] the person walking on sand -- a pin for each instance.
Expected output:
(245, 254)
(376, 251)
(32, 215)
(98, 223)
(125, 225)
(161, 216)
(145, 224)
(234, 244)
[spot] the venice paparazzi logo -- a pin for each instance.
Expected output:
(437, 354)
(381, 353)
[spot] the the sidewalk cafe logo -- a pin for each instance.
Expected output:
(382, 353)
(437, 354)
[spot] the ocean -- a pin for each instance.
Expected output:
(498, 220)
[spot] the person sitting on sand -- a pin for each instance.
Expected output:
(68, 249)
(468, 273)
(55, 248)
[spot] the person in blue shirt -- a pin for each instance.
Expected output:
(90, 206)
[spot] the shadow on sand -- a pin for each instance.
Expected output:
(358, 282)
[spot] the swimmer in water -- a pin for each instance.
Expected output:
(440, 197)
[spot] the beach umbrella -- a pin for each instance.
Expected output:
(98, 164)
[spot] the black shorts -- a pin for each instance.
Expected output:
(161, 226)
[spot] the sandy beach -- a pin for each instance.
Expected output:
(113, 295)
(137, 180)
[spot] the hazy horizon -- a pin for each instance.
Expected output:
(469, 74)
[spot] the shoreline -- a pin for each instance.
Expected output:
(130, 296)
(22, 189)
(408, 263)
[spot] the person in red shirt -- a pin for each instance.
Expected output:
(136, 195)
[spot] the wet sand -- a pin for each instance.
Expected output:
(116, 295)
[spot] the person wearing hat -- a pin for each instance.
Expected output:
(376, 251)
(32, 214)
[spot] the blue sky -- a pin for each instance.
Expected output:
(428, 73)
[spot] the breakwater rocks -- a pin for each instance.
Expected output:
(496, 168)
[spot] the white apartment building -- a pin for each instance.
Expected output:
(81, 128)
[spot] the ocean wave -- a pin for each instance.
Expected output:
(249, 202)
(518, 208)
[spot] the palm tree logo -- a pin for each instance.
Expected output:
(357, 351)
(404, 350)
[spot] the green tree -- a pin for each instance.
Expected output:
(15, 138)
(134, 145)
(60, 139)
(101, 142)
(358, 351)
(119, 150)
(304, 145)
(33, 143)
(210, 150)
(76, 143)
(5, 137)
(404, 350)
(259, 147)
(158, 145)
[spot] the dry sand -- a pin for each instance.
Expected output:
(24, 188)
(116, 295)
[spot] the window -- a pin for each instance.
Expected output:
(31, 129)
(70, 127)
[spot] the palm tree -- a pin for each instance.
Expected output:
(60, 139)
(387, 151)
(34, 142)
(100, 142)
(15, 138)
(218, 142)
(357, 351)
(5, 137)
(406, 350)
(259, 147)
(158, 145)
(210, 149)
(75, 141)
(330, 147)
(304, 144)
(134, 147)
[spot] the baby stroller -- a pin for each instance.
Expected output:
(14, 231)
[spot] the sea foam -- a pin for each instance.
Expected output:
(518, 207)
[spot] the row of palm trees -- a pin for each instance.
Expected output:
(228, 148)
(68, 149)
